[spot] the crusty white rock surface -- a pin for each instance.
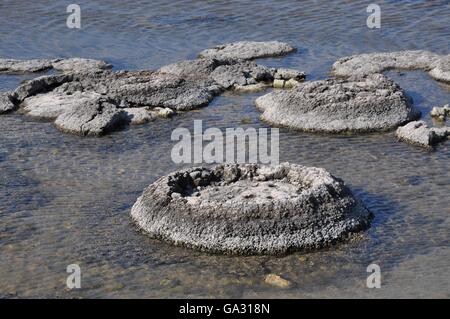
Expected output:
(250, 209)
(247, 50)
(369, 63)
(418, 133)
(359, 104)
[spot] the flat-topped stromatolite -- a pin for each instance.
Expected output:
(250, 209)
(358, 104)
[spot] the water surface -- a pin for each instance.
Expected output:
(66, 199)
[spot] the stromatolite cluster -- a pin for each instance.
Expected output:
(89, 99)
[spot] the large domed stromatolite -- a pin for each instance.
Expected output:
(250, 209)
(357, 104)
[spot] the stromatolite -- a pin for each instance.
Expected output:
(437, 65)
(357, 104)
(250, 209)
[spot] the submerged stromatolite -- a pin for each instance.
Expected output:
(358, 104)
(77, 101)
(250, 209)
(247, 50)
(40, 65)
(369, 63)
(418, 133)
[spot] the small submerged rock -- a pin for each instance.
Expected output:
(440, 70)
(369, 63)
(141, 115)
(247, 50)
(418, 133)
(357, 104)
(277, 281)
(440, 113)
(6, 103)
(250, 209)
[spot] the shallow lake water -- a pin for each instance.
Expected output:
(66, 200)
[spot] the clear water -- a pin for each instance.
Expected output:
(65, 199)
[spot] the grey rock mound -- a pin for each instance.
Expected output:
(358, 104)
(62, 96)
(40, 65)
(6, 103)
(250, 209)
(440, 113)
(141, 115)
(24, 66)
(146, 88)
(42, 84)
(52, 104)
(241, 74)
(418, 133)
(77, 100)
(79, 64)
(93, 118)
(137, 96)
(440, 70)
(369, 63)
(232, 74)
(247, 50)
(197, 70)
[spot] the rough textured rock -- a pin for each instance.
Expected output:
(52, 104)
(277, 281)
(6, 103)
(40, 84)
(141, 115)
(287, 78)
(147, 89)
(40, 65)
(369, 63)
(247, 50)
(288, 74)
(93, 118)
(138, 96)
(250, 209)
(197, 70)
(24, 66)
(91, 103)
(441, 113)
(241, 74)
(418, 133)
(440, 70)
(359, 104)
(79, 64)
